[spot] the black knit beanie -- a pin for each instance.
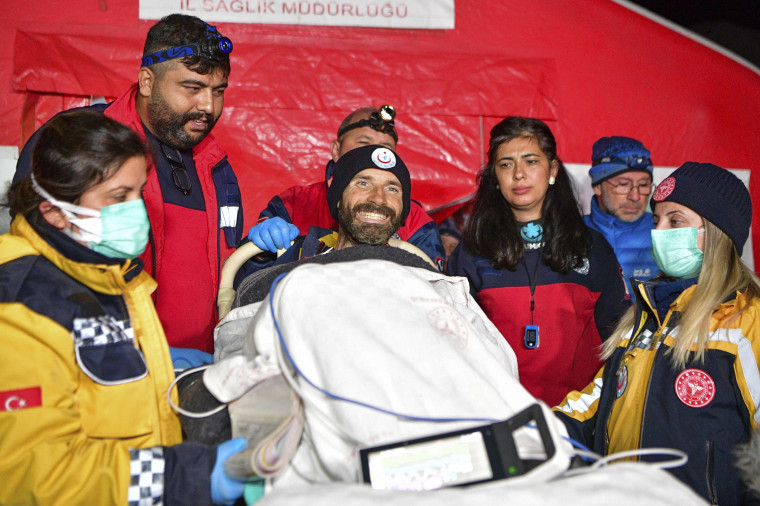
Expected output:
(367, 157)
(713, 193)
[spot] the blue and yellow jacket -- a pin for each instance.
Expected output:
(84, 372)
(639, 400)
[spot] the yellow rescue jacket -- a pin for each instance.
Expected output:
(84, 371)
(640, 400)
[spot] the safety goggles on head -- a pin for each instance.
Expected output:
(380, 120)
(642, 162)
(214, 39)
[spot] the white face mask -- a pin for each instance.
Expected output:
(116, 231)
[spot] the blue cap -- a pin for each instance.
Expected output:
(611, 156)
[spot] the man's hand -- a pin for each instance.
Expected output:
(273, 234)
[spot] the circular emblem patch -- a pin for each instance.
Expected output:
(449, 324)
(532, 232)
(664, 189)
(384, 158)
(622, 380)
(695, 388)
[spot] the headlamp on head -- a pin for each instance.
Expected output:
(387, 113)
(213, 36)
(631, 161)
(213, 39)
(639, 161)
(380, 121)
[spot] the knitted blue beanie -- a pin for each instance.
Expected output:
(611, 156)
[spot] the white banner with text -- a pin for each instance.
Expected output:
(425, 14)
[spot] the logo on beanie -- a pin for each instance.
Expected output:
(384, 158)
(664, 189)
(695, 388)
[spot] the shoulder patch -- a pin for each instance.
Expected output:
(23, 398)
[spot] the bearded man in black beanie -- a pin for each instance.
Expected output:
(369, 198)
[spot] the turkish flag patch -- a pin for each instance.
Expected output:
(13, 400)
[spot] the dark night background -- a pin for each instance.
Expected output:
(734, 24)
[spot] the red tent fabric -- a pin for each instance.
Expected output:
(589, 69)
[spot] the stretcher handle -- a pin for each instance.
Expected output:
(235, 261)
(411, 248)
(231, 266)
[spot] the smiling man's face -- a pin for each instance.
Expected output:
(370, 208)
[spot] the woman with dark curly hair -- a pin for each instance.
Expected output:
(549, 284)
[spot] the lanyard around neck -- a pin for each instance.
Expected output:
(532, 282)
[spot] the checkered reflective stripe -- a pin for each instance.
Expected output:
(146, 469)
(100, 330)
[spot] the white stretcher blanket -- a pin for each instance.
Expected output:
(402, 339)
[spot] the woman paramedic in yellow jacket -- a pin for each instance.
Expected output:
(85, 367)
(681, 368)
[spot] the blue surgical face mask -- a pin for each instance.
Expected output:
(116, 231)
(676, 253)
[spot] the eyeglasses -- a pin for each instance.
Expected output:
(180, 176)
(625, 187)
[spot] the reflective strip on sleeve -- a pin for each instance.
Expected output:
(146, 469)
(746, 356)
(583, 403)
(228, 216)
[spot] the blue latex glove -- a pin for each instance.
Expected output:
(185, 358)
(225, 490)
(273, 234)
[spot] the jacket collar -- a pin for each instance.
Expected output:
(96, 271)
(659, 295)
(607, 221)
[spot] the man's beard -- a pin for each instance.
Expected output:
(169, 127)
(360, 232)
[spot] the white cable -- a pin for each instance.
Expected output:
(603, 461)
(185, 412)
(682, 457)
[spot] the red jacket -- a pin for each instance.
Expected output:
(210, 160)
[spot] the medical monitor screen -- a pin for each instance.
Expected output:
(445, 462)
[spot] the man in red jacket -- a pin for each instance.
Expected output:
(299, 208)
(192, 195)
